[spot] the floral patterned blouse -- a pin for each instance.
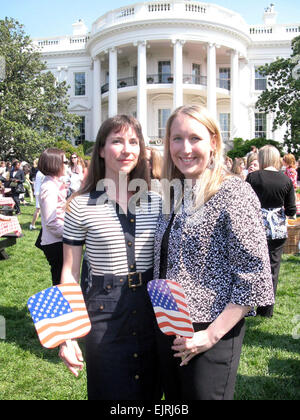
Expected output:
(292, 174)
(218, 253)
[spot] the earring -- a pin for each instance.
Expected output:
(212, 160)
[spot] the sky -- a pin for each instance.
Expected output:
(46, 18)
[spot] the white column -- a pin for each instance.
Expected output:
(211, 79)
(113, 83)
(178, 73)
(96, 96)
(142, 86)
(234, 94)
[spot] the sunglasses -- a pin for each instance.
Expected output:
(74, 157)
(66, 162)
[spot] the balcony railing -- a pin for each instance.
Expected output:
(124, 82)
(192, 79)
(160, 78)
(167, 78)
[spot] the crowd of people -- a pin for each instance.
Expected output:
(221, 240)
(242, 166)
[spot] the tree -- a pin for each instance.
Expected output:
(33, 105)
(242, 147)
(282, 95)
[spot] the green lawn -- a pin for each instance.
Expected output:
(270, 363)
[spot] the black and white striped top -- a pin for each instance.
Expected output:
(95, 221)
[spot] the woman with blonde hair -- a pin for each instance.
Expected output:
(204, 243)
(276, 195)
(252, 163)
(290, 170)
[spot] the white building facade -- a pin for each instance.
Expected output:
(148, 58)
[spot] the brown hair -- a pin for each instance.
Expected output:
(156, 163)
(51, 162)
(236, 166)
(96, 170)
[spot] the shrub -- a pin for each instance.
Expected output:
(242, 147)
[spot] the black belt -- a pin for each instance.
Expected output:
(134, 280)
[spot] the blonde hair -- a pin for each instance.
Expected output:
(269, 156)
(290, 160)
(212, 177)
(251, 158)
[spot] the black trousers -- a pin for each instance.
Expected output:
(208, 376)
(275, 248)
(16, 199)
(54, 255)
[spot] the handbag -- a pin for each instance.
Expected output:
(275, 223)
(20, 189)
(39, 240)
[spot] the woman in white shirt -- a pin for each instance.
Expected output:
(76, 173)
(52, 200)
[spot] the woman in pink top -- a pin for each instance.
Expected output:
(290, 171)
(52, 198)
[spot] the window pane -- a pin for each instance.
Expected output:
(225, 126)
(81, 127)
(164, 71)
(260, 125)
(79, 84)
(260, 80)
(163, 115)
(224, 75)
(196, 73)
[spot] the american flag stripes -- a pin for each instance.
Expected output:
(59, 314)
(169, 304)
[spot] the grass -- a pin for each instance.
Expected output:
(270, 362)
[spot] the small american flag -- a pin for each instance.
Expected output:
(59, 314)
(169, 304)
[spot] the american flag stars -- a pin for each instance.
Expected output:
(49, 303)
(170, 307)
(59, 314)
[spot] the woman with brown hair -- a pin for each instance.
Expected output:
(155, 162)
(212, 242)
(118, 232)
(238, 167)
(76, 173)
(52, 197)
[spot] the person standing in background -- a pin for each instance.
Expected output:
(52, 198)
(76, 173)
(290, 168)
(39, 177)
(277, 197)
(17, 179)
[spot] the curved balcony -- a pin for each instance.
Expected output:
(167, 78)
